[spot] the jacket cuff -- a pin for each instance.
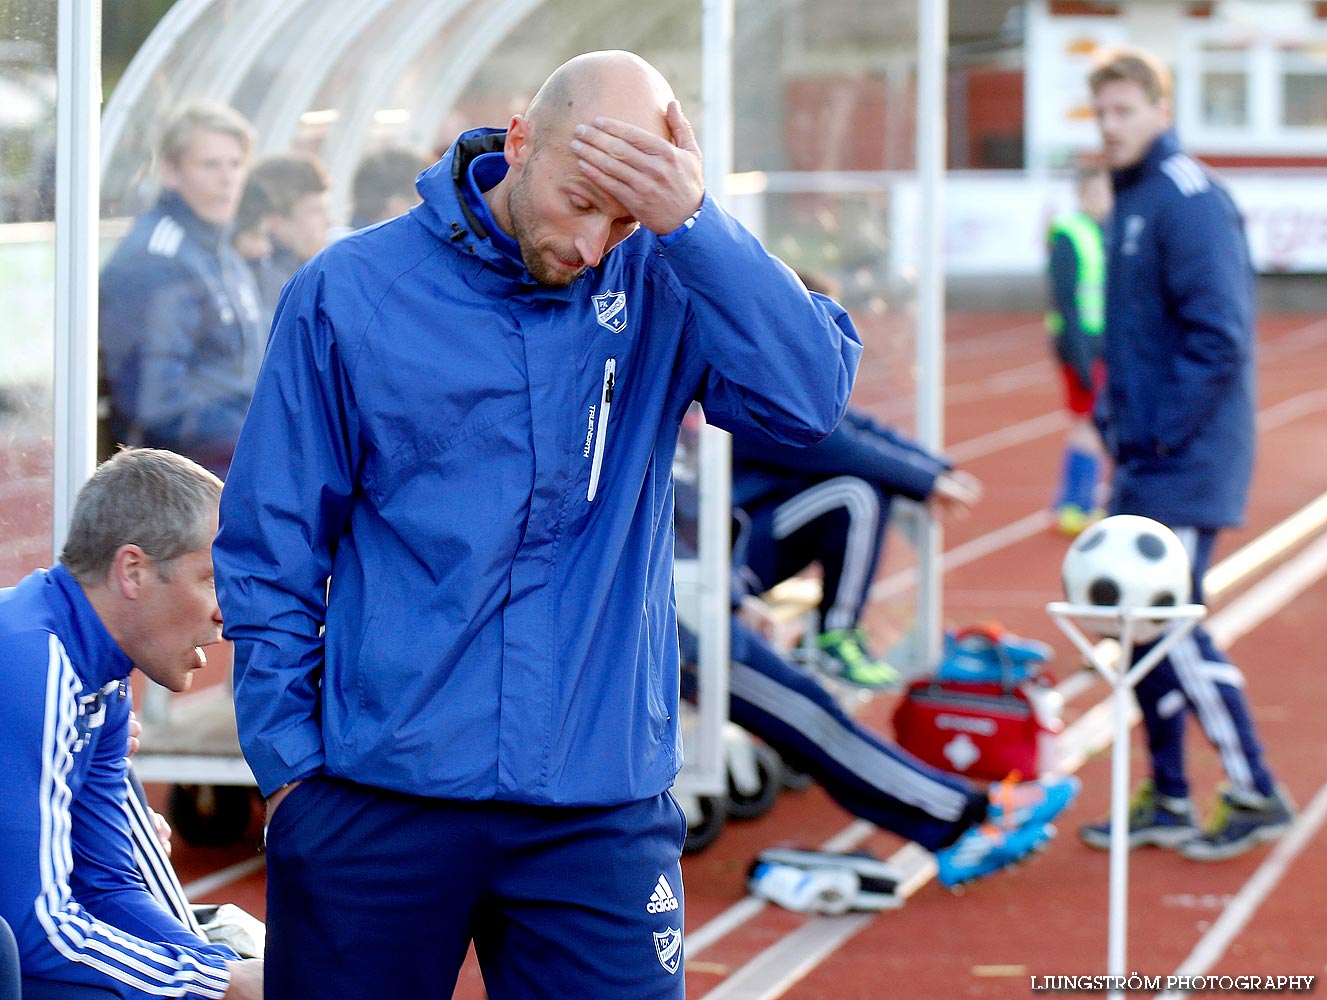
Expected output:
(668, 239)
(295, 755)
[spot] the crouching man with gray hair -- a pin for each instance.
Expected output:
(133, 589)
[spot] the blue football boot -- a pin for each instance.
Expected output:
(988, 848)
(1032, 802)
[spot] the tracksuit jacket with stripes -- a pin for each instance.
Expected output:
(1178, 411)
(860, 446)
(482, 466)
(69, 883)
(182, 334)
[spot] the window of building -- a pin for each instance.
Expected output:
(1253, 95)
(1304, 86)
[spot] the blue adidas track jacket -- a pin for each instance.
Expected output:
(182, 334)
(482, 466)
(1178, 410)
(68, 882)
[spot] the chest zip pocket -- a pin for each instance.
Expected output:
(601, 430)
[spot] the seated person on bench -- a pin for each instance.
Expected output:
(133, 589)
(972, 832)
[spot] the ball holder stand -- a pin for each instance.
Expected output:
(1123, 678)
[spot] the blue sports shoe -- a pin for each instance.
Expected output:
(988, 848)
(1032, 802)
(1239, 823)
(844, 654)
(1154, 820)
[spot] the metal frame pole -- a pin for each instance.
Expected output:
(1123, 678)
(77, 211)
(709, 772)
(932, 49)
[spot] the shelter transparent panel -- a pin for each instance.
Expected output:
(1224, 85)
(824, 145)
(823, 124)
(27, 284)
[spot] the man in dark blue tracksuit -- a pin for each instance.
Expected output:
(972, 832)
(787, 707)
(1178, 418)
(466, 422)
(182, 330)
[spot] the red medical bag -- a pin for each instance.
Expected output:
(984, 728)
(981, 731)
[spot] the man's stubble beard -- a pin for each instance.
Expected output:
(519, 210)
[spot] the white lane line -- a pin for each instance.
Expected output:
(1285, 412)
(224, 877)
(1289, 410)
(724, 924)
(1008, 437)
(1297, 341)
(1270, 595)
(1240, 910)
(774, 970)
(1274, 542)
(999, 341)
(1293, 342)
(1025, 527)
(979, 390)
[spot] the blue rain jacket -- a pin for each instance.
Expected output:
(482, 466)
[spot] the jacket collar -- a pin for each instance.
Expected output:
(451, 212)
(1166, 145)
(96, 657)
(444, 211)
(201, 232)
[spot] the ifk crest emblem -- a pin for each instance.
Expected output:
(610, 309)
(668, 946)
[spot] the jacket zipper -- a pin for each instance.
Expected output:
(601, 431)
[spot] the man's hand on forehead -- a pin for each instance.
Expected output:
(659, 182)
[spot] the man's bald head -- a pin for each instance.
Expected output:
(611, 84)
(603, 149)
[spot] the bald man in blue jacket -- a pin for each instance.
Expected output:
(466, 422)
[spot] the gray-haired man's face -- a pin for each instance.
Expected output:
(176, 613)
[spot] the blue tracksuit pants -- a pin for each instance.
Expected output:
(839, 523)
(1196, 676)
(871, 778)
(376, 894)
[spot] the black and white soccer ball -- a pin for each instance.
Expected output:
(1127, 562)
